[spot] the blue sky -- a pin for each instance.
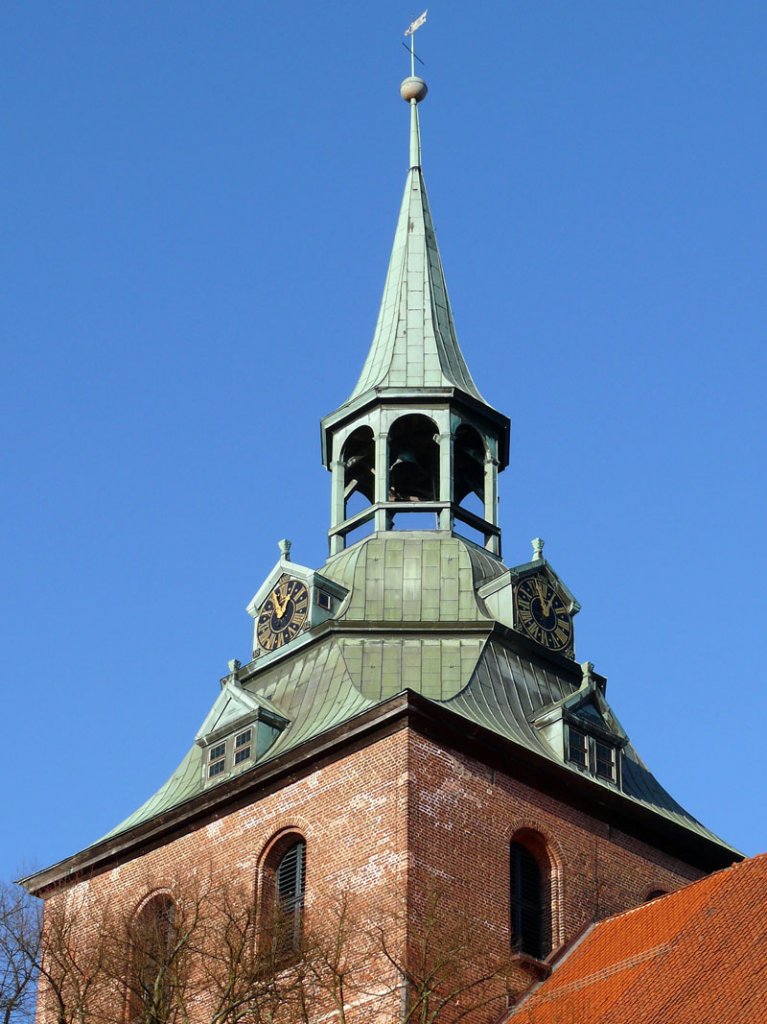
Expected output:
(199, 204)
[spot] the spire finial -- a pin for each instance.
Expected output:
(412, 91)
(411, 31)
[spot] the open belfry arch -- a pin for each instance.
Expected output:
(409, 758)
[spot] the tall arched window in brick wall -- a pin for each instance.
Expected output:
(153, 945)
(530, 896)
(283, 890)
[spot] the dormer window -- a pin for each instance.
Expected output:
(591, 754)
(324, 600)
(230, 753)
(242, 746)
(240, 729)
(604, 760)
(579, 747)
(216, 760)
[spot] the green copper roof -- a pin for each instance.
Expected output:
(415, 343)
(452, 657)
(402, 577)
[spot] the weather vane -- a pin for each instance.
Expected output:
(411, 31)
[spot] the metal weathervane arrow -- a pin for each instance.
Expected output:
(411, 31)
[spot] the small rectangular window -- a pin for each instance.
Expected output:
(242, 746)
(577, 747)
(604, 760)
(323, 600)
(216, 760)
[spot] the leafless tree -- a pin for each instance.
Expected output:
(448, 970)
(199, 952)
(20, 924)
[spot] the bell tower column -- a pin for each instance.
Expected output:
(492, 540)
(446, 479)
(382, 480)
(337, 503)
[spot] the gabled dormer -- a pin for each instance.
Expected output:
(289, 603)
(583, 731)
(239, 729)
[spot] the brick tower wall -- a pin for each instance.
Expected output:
(463, 817)
(393, 824)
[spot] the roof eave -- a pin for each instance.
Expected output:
(431, 719)
(416, 396)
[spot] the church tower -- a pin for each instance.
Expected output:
(411, 723)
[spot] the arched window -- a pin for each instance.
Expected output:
(153, 942)
(358, 457)
(283, 887)
(469, 469)
(655, 894)
(530, 900)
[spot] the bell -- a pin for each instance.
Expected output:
(409, 480)
(404, 456)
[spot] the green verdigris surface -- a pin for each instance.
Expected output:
(436, 639)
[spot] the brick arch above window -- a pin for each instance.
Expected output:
(654, 894)
(535, 861)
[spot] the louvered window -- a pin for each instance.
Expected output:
(528, 912)
(290, 887)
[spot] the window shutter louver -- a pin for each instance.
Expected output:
(290, 885)
(527, 910)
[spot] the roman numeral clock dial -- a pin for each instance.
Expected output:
(542, 614)
(283, 614)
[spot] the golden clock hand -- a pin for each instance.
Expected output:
(279, 608)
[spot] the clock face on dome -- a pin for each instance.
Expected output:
(541, 613)
(283, 614)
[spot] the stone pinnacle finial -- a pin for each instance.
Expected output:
(538, 543)
(587, 668)
(285, 549)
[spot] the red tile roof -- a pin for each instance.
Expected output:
(696, 956)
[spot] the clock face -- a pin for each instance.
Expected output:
(282, 614)
(542, 614)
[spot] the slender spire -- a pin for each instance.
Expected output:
(415, 135)
(415, 343)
